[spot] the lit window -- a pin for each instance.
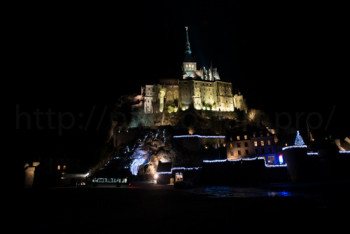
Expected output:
(262, 143)
(271, 159)
(255, 143)
(58, 167)
(245, 137)
(64, 167)
(268, 142)
(178, 176)
(280, 159)
(238, 138)
(231, 146)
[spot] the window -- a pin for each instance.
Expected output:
(58, 167)
(262, 143)
(245, 137)
(239, 145)
(231, 153)
(256, 151)
(178, 176)
(270, 150)
(64, 167)
(280, 159)
(238, 138)
(271, 159)
(268, 142)
(239, 152)
(246, 152)
(231, 146)
(255, 143)
(245, 144)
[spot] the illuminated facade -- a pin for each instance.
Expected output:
(201, 89)
(246, 145)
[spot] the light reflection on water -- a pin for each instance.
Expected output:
(238, 192)
(279, 194)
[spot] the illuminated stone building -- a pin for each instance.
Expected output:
(248, 144)
(201, 89)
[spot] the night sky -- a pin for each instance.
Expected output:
(281, 56)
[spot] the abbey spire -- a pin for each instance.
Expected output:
(188, 46)
(189, 65)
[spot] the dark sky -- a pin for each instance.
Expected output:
(283, 56)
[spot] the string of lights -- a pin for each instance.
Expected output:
(198, 136)
(245, 159)
(217, 161)
(178, 169)
(294, 147)
(316, 153)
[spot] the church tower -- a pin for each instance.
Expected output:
(189, 66)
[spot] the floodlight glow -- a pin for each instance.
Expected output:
(134, 167)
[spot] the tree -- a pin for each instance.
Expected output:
(298, 139)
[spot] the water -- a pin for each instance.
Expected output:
(241, 192)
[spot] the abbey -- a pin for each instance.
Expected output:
(200, 88)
